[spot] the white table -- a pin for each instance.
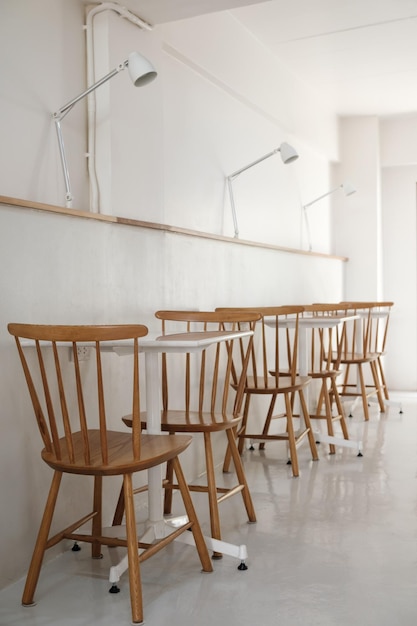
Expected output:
(152, 346)
(317, 321)
(375, 314)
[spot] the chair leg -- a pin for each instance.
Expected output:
(378, 387)
(240, 434)
(192, 516)
(329, 415)
(363, 392)
(168, 490)
(120, 509)
(291, 436)
(382, 377)
(228, 454)
(242, 430)
(268, 419)
(240, 473)
(227, 459)
(135, 584)
(307, 421)
(345, 378)
(339, 408)
(320, 401)
(41, 541)
(97, 529)
(212, 492)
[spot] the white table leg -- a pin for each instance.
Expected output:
(153, 421)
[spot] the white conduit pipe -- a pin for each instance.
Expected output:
(91, 98)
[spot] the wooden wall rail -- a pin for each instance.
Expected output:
(18, 203)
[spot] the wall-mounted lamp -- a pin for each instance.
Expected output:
(141, 73)
(348, 190)
(288, 155)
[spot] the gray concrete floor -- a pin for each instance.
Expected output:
(335, 547)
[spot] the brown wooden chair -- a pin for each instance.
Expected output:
(361, 353)
(273, 373)
(380, 316)
(72, 411)
(325, 351)
(198, 398)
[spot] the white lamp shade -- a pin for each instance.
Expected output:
(288, 153)
(141, 71)
(348, 188)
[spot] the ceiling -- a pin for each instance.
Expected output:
(361, 55)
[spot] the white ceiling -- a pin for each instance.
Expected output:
(360, 54)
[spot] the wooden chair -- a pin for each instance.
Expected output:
(274, 374)
(379, 316)
(72, 411)
(360, 353)
(198, 398)
(324, 366)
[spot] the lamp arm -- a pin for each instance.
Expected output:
(62, 112)
(59, 115)
(232, 204)
(305, 213)
(231, 178)
(243, 169)
(321, 197)
(68, 193)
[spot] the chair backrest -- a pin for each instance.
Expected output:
(366, 336)
(275, 349)
(211, 380)
(71, 399)
(356, 340)
(378, 314)
(326, 341)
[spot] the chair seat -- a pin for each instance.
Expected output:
(193, 421)
(267, 386)
(358, 357)
(325, 374)
(154, 450)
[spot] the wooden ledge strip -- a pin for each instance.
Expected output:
(40, 206)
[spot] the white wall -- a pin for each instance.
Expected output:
(355, 218)
(171, 143)
(64, 269)
(216, 118)
(399, 232)
(42, 68)
(376, 228)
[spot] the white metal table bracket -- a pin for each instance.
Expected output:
(338, 441)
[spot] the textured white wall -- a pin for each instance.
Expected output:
(43, 67)
(399, 228)
(376, 229)
(68, 270)
(171, 143)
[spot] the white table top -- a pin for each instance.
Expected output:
(178, 342)
(316, 321)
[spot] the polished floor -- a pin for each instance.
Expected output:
(335, 547)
